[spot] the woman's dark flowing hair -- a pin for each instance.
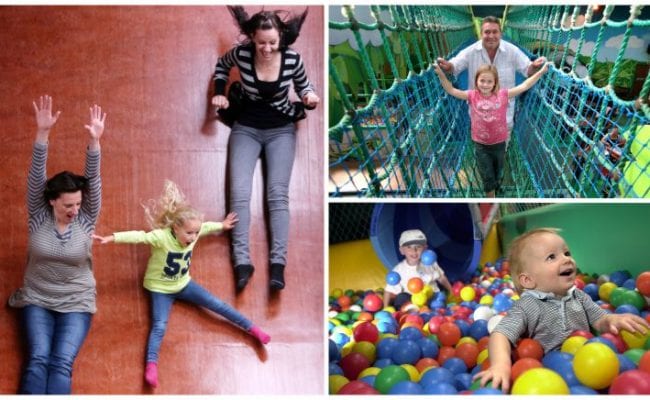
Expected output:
(289, 28)
(64, 182)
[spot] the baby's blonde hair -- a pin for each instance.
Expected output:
(171, 209)
(516, 252)
(491, 69)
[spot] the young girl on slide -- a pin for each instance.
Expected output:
(487, 111)
(177, 227)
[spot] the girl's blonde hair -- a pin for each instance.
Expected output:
(491, 69)
(171, 209)
(516, 255)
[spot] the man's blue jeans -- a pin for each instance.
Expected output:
(53, 342)
(161, 304)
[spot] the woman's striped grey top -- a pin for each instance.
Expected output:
(59, 274)
(292, 69)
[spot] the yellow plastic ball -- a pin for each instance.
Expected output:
(367, 349)
(572, 344)
(540, 381)
(482, 356)
(595, 365)
(605, 290)
(467, 293)
(419, 298)
(465, 339)
(336, 382)
(336, 293)
(414, 374)
(347, 348)
(487, 300)
(635, 340)
(370, 371)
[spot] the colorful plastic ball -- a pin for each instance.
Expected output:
(419, 298)
(634, 340)
(595, 365)
(618, 342)
(631, 382)
(585, 334)
(468, 352)
(540, 381)
(334, 369)
(565, 370)
(582, 390)
(467, 293)
(529, 348)
(415, 285)
(333, 351)
(367, 349)
(625, 364)
(449, 334)
(618, 277)
(366, 332)
(445, 353)
(425, 364)
(455, 365)
(644, 362)
(392, 278)
(634, 299)
(605, 290)
(572, 344)
(357, 387)
(592, 290)
(440, 374)
(489, 391)
(478, 329)
(370, 371)
(502, 303)
(336, 382)
(635, 355)
(406, 352)
(428, 257)
(428, 347)
(555, 359)
(389, 376)
(372, 302)
(439, 388)
(405, 387)
(414, 374)
(603, 340)
(353, 364)
(493, 322)
(522, 365)
(483, 312)
(643, 283)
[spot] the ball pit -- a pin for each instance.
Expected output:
(436, 342)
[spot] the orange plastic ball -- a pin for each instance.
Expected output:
(415, 285)
(643, 283)
(644, 362)
(445, 353)
(425, 363)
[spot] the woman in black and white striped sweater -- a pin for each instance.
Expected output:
(58, 293)
(265, 121)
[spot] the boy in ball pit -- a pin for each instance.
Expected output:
(550, 307)
(412, 244)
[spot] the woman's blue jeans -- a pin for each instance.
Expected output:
(53, 341)
(161, 304)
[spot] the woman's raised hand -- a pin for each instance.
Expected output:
(96, 125)
(43, 110)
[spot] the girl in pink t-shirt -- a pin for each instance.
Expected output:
(487, 111)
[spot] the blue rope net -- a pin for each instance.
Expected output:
(396, 133)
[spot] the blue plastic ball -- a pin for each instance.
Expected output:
(487, 391)
(334, 353)
(463, 381)
(627, 309)
(410, 333)
(619, 277)
(406, 352)
(455, 365)
(385, 347)
(435, 375)
(604, 341)
(439, 388)
(428, 257)
(478, 329)
(334, 369)
(405, 387)
(369, 379)
(555, 359)
(428, 347)
(579, 389)
(383, 363)
(629, 284)
(592, 290)
(392, 278)
(625, 364)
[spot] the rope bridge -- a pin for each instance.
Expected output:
(394, 132)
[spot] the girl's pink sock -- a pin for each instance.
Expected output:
(151, 374)
(260, 334)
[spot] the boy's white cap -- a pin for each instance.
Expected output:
(412, 236)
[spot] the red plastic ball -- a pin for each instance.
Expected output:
(529, 348)
(445, 353)
(366, 332)
(449, 334)
(353, 364)
(584, 334)
(633, 381)
(522, 365)
(372, 302)
(644, 362)
(468, 352)
(357, 387)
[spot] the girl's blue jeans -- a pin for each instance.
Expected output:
(161, 304)
(53, 341)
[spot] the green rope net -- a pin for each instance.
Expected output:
(394, 132)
